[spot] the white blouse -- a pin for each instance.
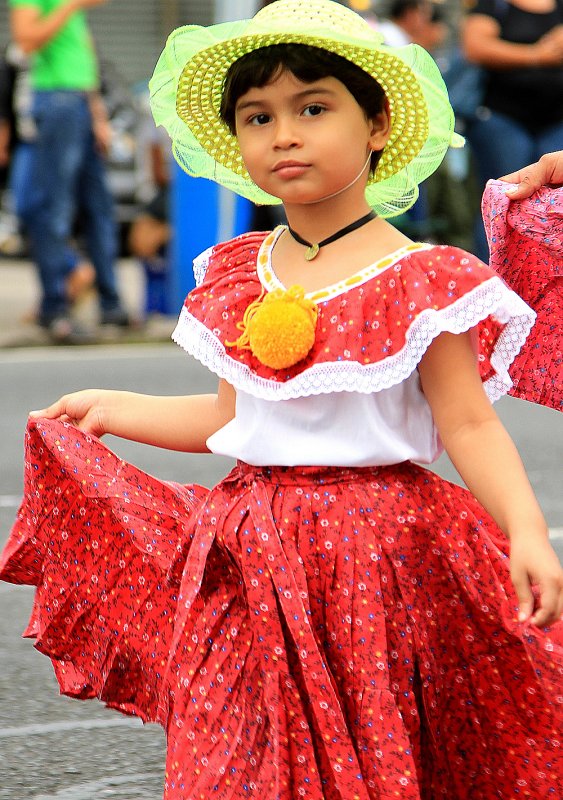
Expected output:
(345, 429)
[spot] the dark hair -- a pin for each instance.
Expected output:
(308, 64)
(399, 8)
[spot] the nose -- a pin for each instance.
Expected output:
(286, 135)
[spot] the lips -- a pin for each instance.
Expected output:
(290, 169)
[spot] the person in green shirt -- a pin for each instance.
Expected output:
(69, 174)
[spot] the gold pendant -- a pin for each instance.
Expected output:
(311, 252)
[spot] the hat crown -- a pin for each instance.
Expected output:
(318, 16)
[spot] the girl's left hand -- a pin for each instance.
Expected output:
(89, 409)
(534, 563)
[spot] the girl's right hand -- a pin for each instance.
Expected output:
(86, 410)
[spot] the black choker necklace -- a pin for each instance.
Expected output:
(313, 248)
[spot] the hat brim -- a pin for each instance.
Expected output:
(188, 84)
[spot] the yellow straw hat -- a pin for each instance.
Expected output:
(188, 80)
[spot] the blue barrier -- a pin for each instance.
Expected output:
(202, 214)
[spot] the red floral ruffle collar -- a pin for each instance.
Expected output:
(372, 329)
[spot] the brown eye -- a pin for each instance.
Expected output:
(259, 119)
(313, 110)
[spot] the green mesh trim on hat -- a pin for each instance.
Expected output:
(188, 80)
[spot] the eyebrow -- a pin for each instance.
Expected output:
(299, 96)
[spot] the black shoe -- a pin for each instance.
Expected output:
(64, 330)
(116, 316)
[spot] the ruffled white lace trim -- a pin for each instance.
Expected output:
(200, 264)
(491, 298)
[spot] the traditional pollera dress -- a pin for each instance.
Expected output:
(332, 620)
(526, 246)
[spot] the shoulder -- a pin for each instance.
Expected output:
(443, 268)
(222, 258)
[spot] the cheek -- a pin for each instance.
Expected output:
(253, 169)
(253, 162)
(251, 153)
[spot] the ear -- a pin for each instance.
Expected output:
(380, 128)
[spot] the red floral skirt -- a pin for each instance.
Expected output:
(320, 633)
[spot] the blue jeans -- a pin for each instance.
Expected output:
(500, 146)
(25, 195)
(68, 175)
(22, 187)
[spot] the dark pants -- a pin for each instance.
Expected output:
(69, 174)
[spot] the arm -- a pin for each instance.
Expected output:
(175, 423)
(481, 42)
(547, 171)
(100, 122)
(5, 138)
(31, 30)
(488, 462)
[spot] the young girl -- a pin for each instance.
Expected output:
(332, 620)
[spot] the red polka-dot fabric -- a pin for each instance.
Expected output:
(526, 244)
(318, 633)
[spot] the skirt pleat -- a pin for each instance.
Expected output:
(320, 633)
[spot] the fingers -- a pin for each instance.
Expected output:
(54, 411)
(547, 171)
(513, 177)
(524, 593)
(528, 183)
(550, 604)
(82, 409)
(547, 606)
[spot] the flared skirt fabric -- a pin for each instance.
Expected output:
(330, 634)
(525, 244)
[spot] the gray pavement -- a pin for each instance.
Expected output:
(19, 294)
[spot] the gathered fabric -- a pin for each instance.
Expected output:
(525, 240)
(299, 632)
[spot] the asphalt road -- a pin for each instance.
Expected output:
(53, 748)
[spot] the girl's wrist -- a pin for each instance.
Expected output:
(533, 530)
(113, 405)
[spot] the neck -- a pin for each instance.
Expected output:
(317, 221)
(313, 248)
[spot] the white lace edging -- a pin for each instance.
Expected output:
(200, 265)
(491, 298)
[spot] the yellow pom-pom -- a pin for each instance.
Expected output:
(280, 329)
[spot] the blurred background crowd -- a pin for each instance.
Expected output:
(501, 59)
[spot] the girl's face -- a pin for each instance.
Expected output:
(302, 142)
